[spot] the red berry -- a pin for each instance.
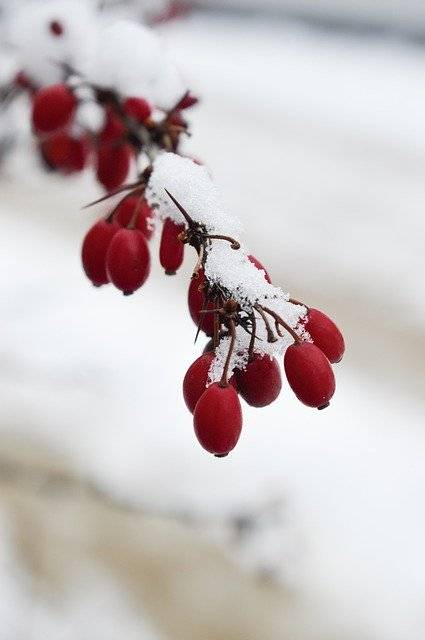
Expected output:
(66, 153)
(260, 383)
(218, 419)
(21, 80)
(113, 129)
(259, 266)
(171, 249)
(127, 209)
(113, 165)
(93, 253)
(128, 260)
(56, 28)
(53, 108)
(196, 302)
(325, 335)
(137, 108)
(196, 379)
(309, 374)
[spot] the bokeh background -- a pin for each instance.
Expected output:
(113, 522)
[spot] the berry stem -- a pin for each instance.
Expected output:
(233, 243)
(297, 302)
(224, 382)
(270, 335)
(284, 324)
(252, 341)
(216, 338)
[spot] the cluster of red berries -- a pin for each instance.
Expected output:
(216, 408)
(115, 250)
(128, 129)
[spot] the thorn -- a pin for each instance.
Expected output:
(181, 209)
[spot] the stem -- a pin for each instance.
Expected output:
(284, 324)
(270, 335)
(252, 341)
(216, 338)
(297, 302)
(233, 243)
(224, 378)
(199, 262)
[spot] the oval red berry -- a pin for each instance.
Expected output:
(128, 260)
(94, 249)
(260, 383)
(53, 108)
(325, 334)
(171, 249)
(309, 374)
(218, 419)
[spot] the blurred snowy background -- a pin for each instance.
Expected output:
(113, 522)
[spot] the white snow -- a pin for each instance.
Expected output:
(230, 268)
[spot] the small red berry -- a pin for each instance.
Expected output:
(66, 153)
(325, 334)
(113, 129)
(196, 302)
(53, 108)
(21, 80)
(260, 383)
(93, 252)
(127, 209)
(128, 260)
(260, 267)
(171, 249)
(137, 108)
(56, 28)
(196, 379)
(113, 165)
(309, 374)
(218, 419)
